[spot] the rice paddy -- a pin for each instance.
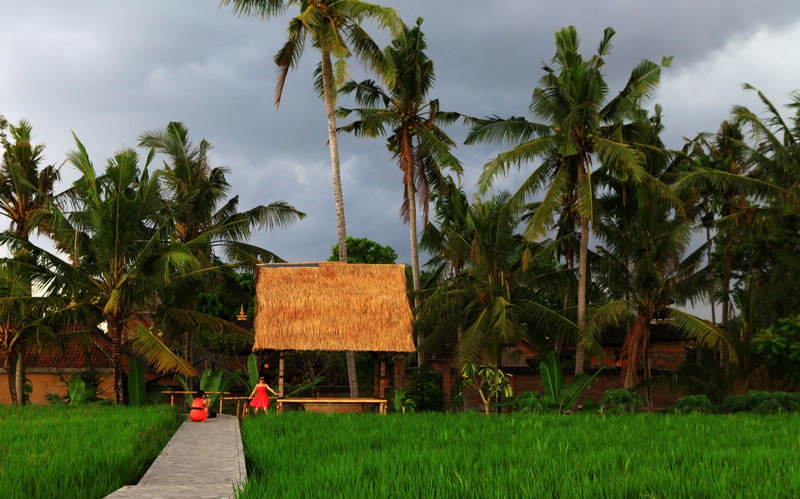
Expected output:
(85, 451)
(92, 451)
(469, 455)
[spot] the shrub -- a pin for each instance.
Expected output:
(694, 403)
(761, 402)
(425, 389)
(620, 401)
(532, 403)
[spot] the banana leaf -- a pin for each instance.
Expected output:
(136, 384)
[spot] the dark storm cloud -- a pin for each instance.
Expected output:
(110, 70)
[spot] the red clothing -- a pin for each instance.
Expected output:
(198, 411)
(261, 399)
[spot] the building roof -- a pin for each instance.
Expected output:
(332, 306)
(93, 351)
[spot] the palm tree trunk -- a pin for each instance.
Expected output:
(583, 274)
(338, 197)
(709, 256)
(19, 375)
(412, 224)
(115, 331)
(333, 145)
(9, 364)
(559, 343)
(188, 355)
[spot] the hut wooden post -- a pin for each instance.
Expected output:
(383, 377)
(280, 374)
(375, 376)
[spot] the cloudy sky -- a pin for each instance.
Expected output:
(108, 70)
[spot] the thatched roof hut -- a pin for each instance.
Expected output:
(332, 306)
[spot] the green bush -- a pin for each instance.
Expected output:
(621, 401)
(779, 348)
(694, 403)
(532, 403)
(761, 402)
(425, 389)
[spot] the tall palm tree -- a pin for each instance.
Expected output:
(334, 28)
(725, 153)
(581, 127)
(25, 186)
(645, 266)
(417, 142)
(204, 218)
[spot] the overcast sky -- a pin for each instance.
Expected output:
(109, 70)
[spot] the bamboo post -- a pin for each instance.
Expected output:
(383, 378)
(375, 375)
(280, 375)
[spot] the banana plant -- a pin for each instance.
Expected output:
(215, 380)
(136, 384)
(558, 393)
(252, 371)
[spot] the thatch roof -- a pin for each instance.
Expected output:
(332, 306)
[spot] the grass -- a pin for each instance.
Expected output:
(84, 451)
(469, 455)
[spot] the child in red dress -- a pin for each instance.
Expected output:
(260, 397)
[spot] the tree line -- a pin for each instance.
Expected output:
(505, 265)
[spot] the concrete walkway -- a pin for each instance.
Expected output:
(202, 460)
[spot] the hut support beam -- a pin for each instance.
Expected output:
(280, 374)
(383, 377)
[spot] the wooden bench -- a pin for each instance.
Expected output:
(323, 404)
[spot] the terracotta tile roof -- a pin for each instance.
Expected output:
(94, 351)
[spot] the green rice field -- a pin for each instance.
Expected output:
(470, 455)
(81, 452)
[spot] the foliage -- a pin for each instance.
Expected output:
(489, 382)
(136, 382)
(530, 402)
(580, 139)
(468, 455)
(363, 250)
(559, 394)
(402, 403)
(215, 380)
(425, 389)
(779, 347)
(252, 372)
(79, 451)
(82, 388)
(620, 401)
(694, 403)
(224, 344)
(761, 402)
(138, 393)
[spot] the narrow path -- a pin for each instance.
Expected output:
(202, 460)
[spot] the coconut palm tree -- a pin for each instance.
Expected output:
(418, 143)
(486, 295)
(581, 128)
(122, 263)
(334, 28)
(751, 166)
(727, 202)
(646, 266)
(25, 186)
(196, 195)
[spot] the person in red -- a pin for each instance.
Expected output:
(260, 399)
(199, 411)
